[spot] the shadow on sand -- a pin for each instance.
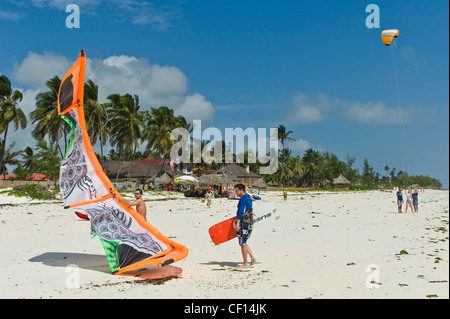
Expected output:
(222, 263)
(64, 259)
(100, 263)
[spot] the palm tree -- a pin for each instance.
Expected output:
(126, 124)
(392, 174)
(9, 113)
(311, 161)
(283, 135)
(46, 115)
(9, 158)
(29, 160)
(112, 155)
(297, 168)
(284, 172)
(160, 122)
(5, 88)
(96, 115)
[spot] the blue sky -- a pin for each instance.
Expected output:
(313, 66)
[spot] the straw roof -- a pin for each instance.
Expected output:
(272, 183)
(340, 180)
(260, 183)
(225, 177)
(137, 169)
(238, 171)
(164, 179)
(208, 180)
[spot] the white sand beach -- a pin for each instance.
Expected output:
(325, 245)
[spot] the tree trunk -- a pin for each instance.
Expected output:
(120, 165)
(2, 153)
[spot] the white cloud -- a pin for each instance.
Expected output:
(156, 85)
(11, 16)
(62, 4)
(160, 17)
(195, 107)
(308, 114)
(28, 103)
(309, 110)
(409, 54)
(36, 69)
(147, 13)
(318, 108)
(299, 145)
(371, 113)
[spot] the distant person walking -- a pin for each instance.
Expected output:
(399, 200)
(415, 200)
(285, 194)
(209, 195)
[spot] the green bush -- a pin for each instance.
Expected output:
(32, 191)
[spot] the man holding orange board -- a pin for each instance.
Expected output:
(244, 224)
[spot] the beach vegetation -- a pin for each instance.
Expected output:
(32, 191)
(46, 159)
(96, 116)
(10, 113)
(126, 122)
(45, 117)
(9, 157)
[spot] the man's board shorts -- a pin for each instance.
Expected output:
(399, 203)
(245, 230)
(415, 202)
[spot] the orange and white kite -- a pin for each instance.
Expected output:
(130, 242)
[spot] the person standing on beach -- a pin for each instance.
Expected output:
(409, 200)
(399, 200)
(415, 200)
(139, 203)
(209, 195)
(244, 224)
(285, 194)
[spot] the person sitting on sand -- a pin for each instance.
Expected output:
(399, 200)
(244, 224)
(415, 200)
(139, 203)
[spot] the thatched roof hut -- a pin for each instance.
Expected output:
(272, 184)
(137, 170)
(238, 171)
(341, 182)
(164, 179)
(260, 183)
(205, 180)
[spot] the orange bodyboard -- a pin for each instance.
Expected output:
(223, 231)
